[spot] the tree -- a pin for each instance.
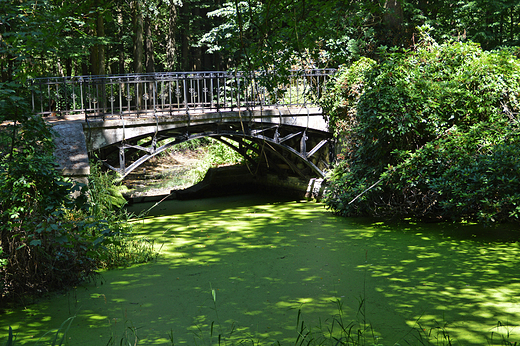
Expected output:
(285, 34)
(171, 46)
(137, 25)
(98, 30)
(490, 23)
(48, 240)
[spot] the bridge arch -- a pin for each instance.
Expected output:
(281, 149)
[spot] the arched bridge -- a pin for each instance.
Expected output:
(271, 120)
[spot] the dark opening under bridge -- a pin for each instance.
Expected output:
(273, 122)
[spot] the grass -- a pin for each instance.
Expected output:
(52, 338)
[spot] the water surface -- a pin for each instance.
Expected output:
(250, 268)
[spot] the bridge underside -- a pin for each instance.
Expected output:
(267, 144)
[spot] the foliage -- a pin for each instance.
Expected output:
(293, 34)
(340, 103)
(44, 245)
(37, 239)
(120, 247)
(490, 23)
(90, 37)
(429, 133)
(193, 144)
(217, 153)
(31, 32)
(49, 239)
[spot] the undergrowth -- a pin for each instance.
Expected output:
(123, 247)
(216, 154)
(209, 153)
(430, 133)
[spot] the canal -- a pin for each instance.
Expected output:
(258, 270)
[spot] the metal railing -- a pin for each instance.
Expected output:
(174, 92)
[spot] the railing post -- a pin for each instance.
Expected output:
(120, 83)
(237, 80)
(184, 81)
(154, 95)
(32, 96)
(102, 102)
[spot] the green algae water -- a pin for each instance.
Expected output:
(253, 270)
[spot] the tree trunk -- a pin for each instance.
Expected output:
(97, 54)
(149, 51)
(100, 25)
(121, 48)
(94, 56)
(185, 51)
(68, 66)
(137, 24)
(171, 58)
(511, 32)
(84, 67)
(4, 59)
(394, 15)
(197, 51)
(393, 23)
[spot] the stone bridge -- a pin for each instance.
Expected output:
(125, 120)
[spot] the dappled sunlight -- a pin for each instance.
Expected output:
(250, 271)
(465, 285)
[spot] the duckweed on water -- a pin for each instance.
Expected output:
(253, 270)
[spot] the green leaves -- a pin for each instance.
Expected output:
(3, 261)
(438, 126)
(43, 231)
(281, 35)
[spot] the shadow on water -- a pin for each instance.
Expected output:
(465, 276)
(266, 260)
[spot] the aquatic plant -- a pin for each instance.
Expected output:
(337, 330)
(52, 337)
(340, 329)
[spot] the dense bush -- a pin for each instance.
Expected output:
(49, 240)
(431, 133)
(44, 246)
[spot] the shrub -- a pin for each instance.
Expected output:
(48, 239)
(120, 245)
(45, 246)
(429, 133)
(217, 153)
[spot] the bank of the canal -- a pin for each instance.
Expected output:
(264, 260)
